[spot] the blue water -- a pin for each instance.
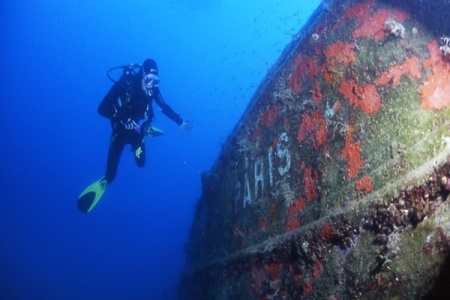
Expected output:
(212, 54)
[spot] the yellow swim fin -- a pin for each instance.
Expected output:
(91, 195)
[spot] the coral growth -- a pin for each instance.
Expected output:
(437, 244)
(395, 28)
(434, 92)
(445, 48)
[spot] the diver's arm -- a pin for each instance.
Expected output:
(166, 109)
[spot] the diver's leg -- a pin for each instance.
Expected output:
(116, 145)
(138, 148)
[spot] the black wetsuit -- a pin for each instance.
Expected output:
(123, 104)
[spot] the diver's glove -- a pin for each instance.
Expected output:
(129, 124)
(186, 126)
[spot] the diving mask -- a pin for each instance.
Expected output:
(151, 80)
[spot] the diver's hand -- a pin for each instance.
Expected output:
(129, 124)
(186, 126)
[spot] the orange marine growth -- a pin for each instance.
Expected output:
(307, 288)
(436, 90)
(360, 11)
(304, 66)
(366, 97)
(411, 67)
(337, 53)
(297, 206)
(313, 128)
(272, 269)
(317, 94)
(373, 25)
(316, 270)
(262, 224)
(352, 154)
(258, 277)
(293, 222)
(327, 232)
(364, 184)
(270, 115)
(310, 178)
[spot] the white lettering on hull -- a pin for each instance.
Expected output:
(282, 160)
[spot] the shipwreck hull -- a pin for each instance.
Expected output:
(333, 185)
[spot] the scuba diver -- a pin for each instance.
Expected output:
(128, 105)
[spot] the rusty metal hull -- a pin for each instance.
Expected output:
(334, 185)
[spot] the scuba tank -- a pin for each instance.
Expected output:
(128, 74)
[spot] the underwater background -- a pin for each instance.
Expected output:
(212, 55)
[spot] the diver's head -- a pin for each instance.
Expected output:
(150, 78)
(150, 67)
